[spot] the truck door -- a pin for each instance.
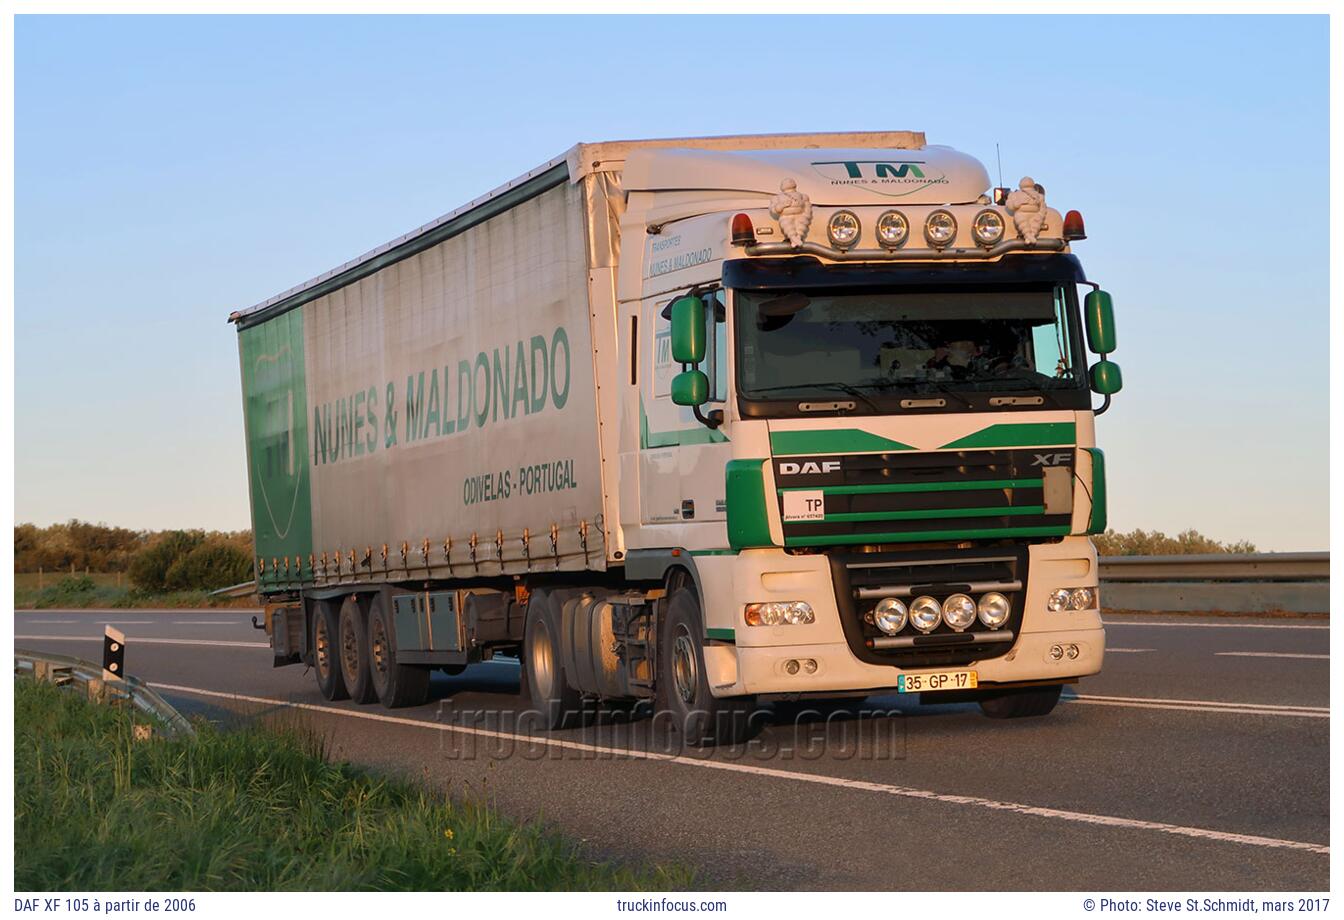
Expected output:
(681, 461)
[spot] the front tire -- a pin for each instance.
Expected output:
(1021, 703)
(354, 651)
(683, 683)
(396, 685)
(326, 654)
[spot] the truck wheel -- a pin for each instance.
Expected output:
(1020, 703)
(557, 705)
(395, 684)
(354, 651)
(683, 685)
(326, 660)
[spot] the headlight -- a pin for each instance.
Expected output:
(1082, 598)
(994, 609)
(892, 229)
(779, 613)
(890, 615)
(987, 227)
(925, 613)
(843, 229)
(940, 229)
(959, 611)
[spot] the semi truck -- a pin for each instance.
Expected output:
(707, 422)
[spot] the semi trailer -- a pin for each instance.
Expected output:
(704, 421)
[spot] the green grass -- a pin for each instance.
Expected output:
(255, 809)
(102, 590)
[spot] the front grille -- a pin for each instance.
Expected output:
(863, 579)
(927, 496)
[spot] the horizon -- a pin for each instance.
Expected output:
(237, 157)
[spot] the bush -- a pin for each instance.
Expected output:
(1156, 543)
(149, 567)
(213, 564)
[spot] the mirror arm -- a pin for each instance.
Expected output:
(711, 421)
(1105, 404)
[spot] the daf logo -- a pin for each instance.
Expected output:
(809, 466)
(1051, 459)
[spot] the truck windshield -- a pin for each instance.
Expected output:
(795, 344)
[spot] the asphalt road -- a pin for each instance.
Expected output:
(1198, 759)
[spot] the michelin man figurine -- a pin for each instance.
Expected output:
(1027, 205)
(793, 210)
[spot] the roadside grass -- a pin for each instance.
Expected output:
(102, 590)
(256, 809)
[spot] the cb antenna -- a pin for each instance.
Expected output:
(999, 159)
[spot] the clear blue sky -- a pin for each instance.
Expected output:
(170, 170)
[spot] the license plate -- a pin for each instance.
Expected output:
(936, 680)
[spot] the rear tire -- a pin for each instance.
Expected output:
(557, 705)
(683, 684)
(396, 685)
(326, 655)
(353, 638)
(1020, 703)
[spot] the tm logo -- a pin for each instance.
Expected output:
(881, 169)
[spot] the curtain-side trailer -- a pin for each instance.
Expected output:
(702, 420)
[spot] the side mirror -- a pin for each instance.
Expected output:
(1105, 378)
(1100, 323)
(690, 388)
(688, 333)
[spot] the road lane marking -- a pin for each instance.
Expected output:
(134, 640)
(205, 622)
(1122, 650)
(814, 778)
(1214, 625)
(1273, 655)
(54, 622)
(1258, 709)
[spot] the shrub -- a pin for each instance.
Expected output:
(212, 564)
(1156, 543)
(149, 567)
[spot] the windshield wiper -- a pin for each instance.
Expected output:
(847, 388)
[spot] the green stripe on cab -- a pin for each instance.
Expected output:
(833, 441)
(1024, 434)
(1096, 522)
(723, 635)
(748, 521)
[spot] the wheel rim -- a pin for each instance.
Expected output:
(378, 649)
(685, 673)
(322, 641)
(541, 660)
(349, 649)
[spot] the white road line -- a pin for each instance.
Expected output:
(1259, 709)
(137, 640)
(205, 622)
(1273, 655)
(1123, 650)
(1078, 817)
(44, 620)
(1206, 625)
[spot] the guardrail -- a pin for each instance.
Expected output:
(1234, 583)
(65, 671)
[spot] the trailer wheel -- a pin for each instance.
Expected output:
(1020, 703)
(354, 651)
(326, 659)
(395, 684)
(683, 685)
(555, 703)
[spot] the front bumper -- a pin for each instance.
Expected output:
(762, 670)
